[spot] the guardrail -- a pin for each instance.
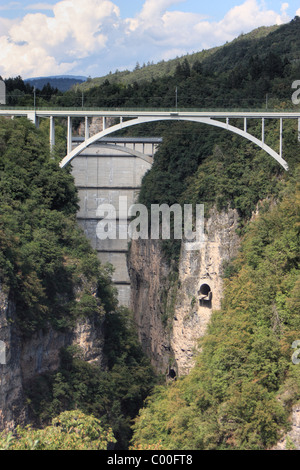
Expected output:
(145, 109)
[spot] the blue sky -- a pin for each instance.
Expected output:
(92, 38)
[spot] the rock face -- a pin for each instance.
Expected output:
(11, 400)
(149, 284)
(201, 285)
(291, 441)
(171, 315)
(27, 357)
(96, 124)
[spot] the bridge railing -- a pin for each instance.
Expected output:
(295, 109)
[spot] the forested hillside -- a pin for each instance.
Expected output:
(240, 74)
(147, 72)
(240, 393)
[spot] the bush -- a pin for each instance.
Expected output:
(71, 430)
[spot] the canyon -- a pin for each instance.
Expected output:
(169, 311)
(172, 303)
(170, 317)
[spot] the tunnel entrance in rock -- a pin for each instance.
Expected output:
(172, 374)
(205, 295)
(204, 289)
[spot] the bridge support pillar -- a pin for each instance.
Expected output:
(52, 133)
(69, 137)
(87, 129)
(281, 131)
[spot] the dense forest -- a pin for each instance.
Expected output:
(241, 391)
(44, 261)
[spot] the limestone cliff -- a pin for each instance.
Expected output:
(96, 124)
(149, 283)
(172, 315)
(27, 357)
(201, 285)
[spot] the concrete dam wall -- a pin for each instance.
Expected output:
(103, 173)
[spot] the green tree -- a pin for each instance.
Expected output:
(71, 430)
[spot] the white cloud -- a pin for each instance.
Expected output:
(155, 19)
(5, 25)
(82, 36)
(153, 9)
(26, 60)
(40, 44)
(249, 15)
(187, 32)
(75, 21)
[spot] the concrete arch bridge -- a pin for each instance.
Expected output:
(216, 119)
(219, 119)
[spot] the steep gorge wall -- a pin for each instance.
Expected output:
(172, 343)
(198, 268)
(149, 276)
(25, 358)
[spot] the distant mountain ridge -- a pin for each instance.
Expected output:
(61, 82)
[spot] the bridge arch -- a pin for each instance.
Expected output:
(124, 149)
(173, 117)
